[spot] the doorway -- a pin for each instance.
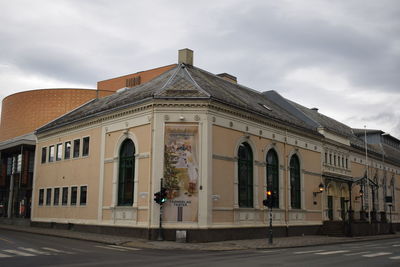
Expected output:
(330, 208)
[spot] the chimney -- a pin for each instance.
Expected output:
(314, 109)
(228, 77)
(185, 56)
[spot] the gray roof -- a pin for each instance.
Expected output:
(26, 139)
(358, 131)
(311, 117)
(316, 119)
(326, 122)
(184, 82)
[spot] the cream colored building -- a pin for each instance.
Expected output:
(218, 147)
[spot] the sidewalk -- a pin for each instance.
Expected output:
(281, 242)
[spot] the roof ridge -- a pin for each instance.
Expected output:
(181, 85)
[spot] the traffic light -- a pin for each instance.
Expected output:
(268, 202)
(161, 196)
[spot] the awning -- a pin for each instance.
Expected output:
(27, 139)
(347, 179)
(336, 177)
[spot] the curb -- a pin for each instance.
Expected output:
(187, 246)
(42, 232)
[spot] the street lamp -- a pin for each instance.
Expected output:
(362, 212)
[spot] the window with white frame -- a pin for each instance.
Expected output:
(85, 146)
(59, 152)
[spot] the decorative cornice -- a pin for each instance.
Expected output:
(260, 163)
(95, 121)
(312, 173)
(226, 158)
(260, 119)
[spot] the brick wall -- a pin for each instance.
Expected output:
(24, 112)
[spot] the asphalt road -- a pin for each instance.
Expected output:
(24, 249)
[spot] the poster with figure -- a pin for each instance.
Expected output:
(181, 173)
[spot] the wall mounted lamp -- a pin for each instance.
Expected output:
(360, 194)
(321, 188)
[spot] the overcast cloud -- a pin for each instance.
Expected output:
(340, 56)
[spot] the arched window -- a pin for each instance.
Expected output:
(273, 176)
(295, 182)
(126, 176)
(245, 175)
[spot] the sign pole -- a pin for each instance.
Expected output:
(160, 230)
(270, 225)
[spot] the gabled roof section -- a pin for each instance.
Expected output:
(119, 100)
(181, 85)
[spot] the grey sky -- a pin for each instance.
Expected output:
(340, 56)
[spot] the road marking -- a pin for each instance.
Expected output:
(395, 258)
(35, 251)
(57, 251)
(19, 253)
(106, 247)
(270, 251)
(371, 245)
(332, 252)
(6, 240)
(121, 247)
(357, 253)
(5, 256)
(310, 251)
(377, 254)
(397, 245)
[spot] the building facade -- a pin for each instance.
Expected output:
(24, 112)
(216, 147)
(21, 114)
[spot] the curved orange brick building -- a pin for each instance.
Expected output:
(23, 112)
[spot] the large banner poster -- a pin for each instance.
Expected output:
(181, 173)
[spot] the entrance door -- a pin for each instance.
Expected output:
(330, 208)
(342, 208)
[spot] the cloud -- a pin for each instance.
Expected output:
(345, 51)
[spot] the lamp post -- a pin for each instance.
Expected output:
(366, 166)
